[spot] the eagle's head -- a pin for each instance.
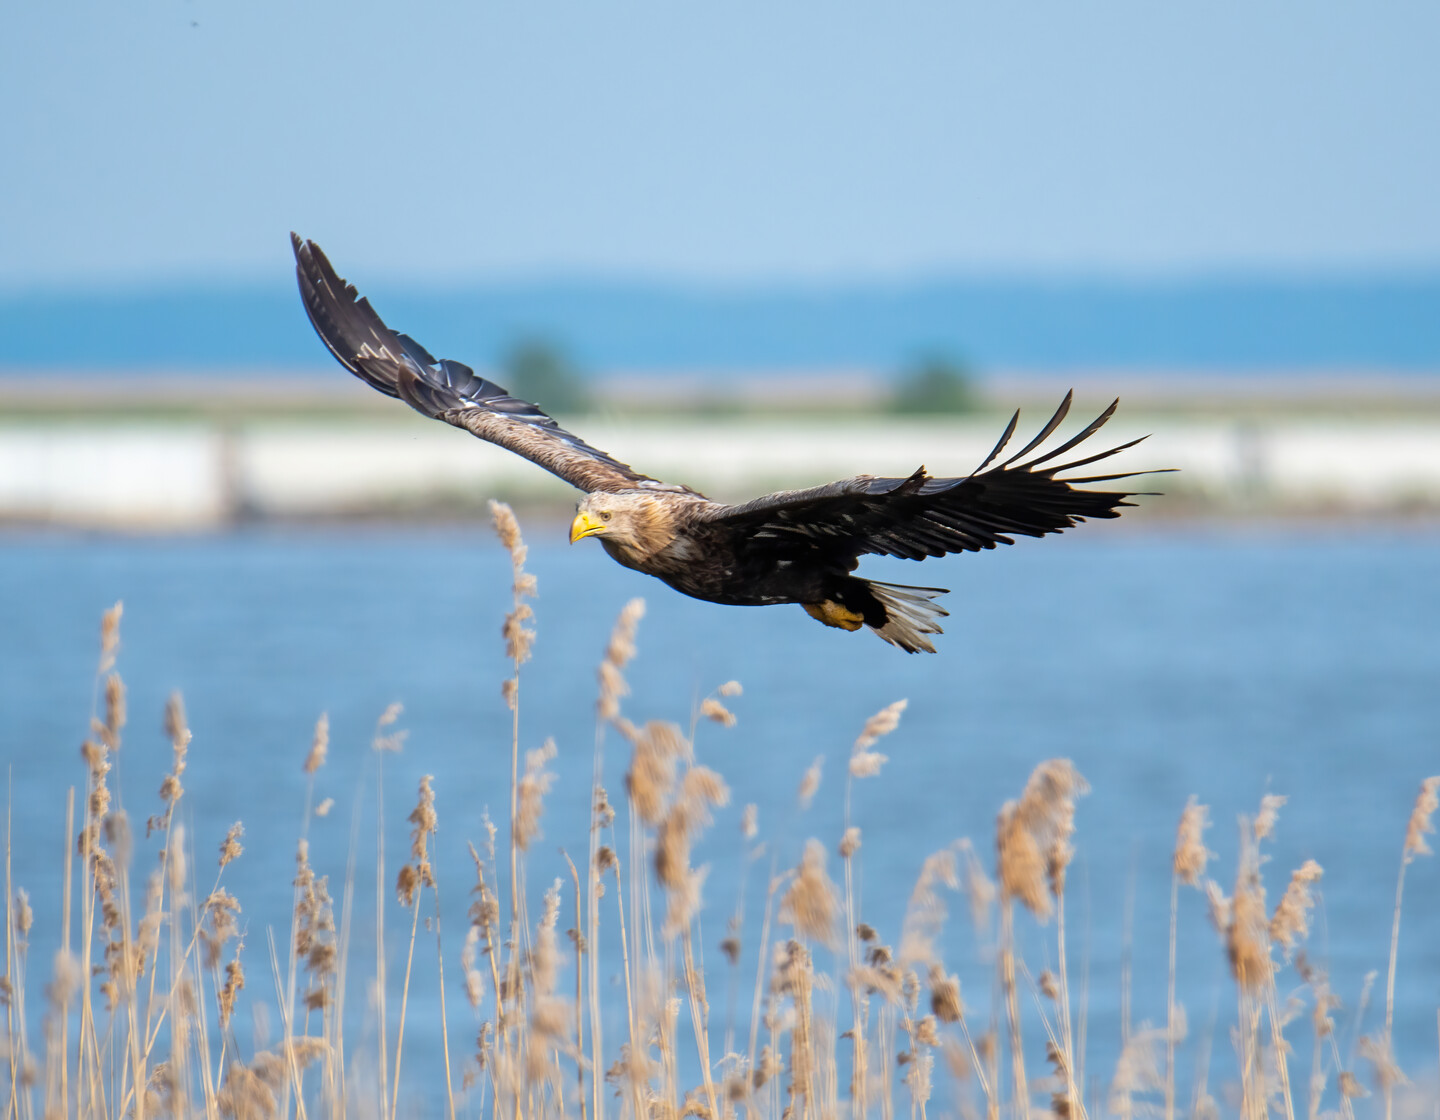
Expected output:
(635, 523)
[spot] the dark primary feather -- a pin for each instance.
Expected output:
(920, 516)
(400, 367)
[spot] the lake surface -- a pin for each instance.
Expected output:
(1224, 326)
(1217, 663)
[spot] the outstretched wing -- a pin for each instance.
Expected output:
(400, 367)
(921, 516)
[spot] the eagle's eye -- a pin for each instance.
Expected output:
(604, 515)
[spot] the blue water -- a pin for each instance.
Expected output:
(1218, 323)
(1215, 663)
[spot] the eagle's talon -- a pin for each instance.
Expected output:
(832, 613)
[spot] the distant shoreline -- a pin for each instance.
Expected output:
(312, 391)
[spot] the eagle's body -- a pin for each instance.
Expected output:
(796, 546)
(705, 562)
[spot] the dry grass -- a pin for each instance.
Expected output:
(136, 1014)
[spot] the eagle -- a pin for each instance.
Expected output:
(794, 546)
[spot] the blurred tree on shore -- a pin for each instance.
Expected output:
(934, 383)
(539, 371)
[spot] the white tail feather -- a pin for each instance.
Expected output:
(910, 615)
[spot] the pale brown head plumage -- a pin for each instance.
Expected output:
(636, 523)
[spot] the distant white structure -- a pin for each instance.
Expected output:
(199, 475)
(114, 476)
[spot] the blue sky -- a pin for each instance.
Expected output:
(156, 140)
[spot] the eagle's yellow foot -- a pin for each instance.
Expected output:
(832, 613)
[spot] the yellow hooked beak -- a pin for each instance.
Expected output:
(585, 526)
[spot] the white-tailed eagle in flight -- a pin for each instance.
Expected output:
(795, 546)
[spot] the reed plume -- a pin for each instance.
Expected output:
(810, 903)
(535, 783)
(1290, 924)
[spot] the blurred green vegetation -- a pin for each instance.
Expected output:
(539, 371)
(935, 384)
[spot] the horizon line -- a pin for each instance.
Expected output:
(1175, 277)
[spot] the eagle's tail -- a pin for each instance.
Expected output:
(910, 614)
